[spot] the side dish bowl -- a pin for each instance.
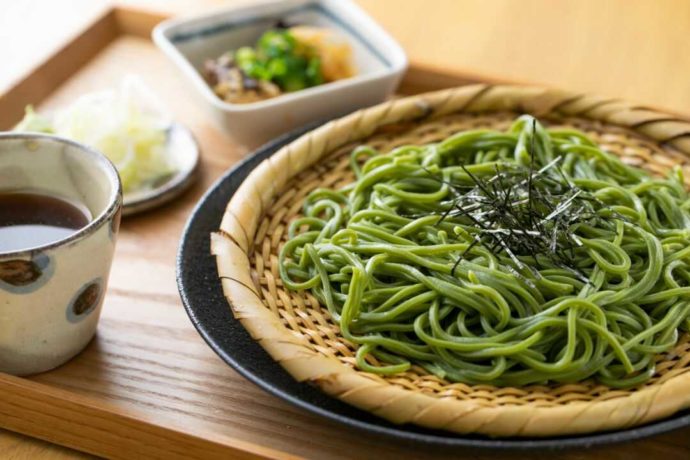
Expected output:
(379, 62)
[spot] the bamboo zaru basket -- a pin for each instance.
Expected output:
(299, 334)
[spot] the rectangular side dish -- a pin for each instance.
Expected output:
(378, 60)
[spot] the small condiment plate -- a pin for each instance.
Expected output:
(183, 152)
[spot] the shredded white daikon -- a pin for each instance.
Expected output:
(126, 124)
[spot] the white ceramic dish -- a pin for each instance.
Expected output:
(379, 60)
(183, 152)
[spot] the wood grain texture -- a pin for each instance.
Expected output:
(147, 362)
(637, 50)
(32, 31)
(15, 446)
(106, 429)
(58, 68)
(634, 49)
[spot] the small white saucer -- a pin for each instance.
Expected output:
(184, 155)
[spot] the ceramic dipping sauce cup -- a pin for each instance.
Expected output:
(51, 295)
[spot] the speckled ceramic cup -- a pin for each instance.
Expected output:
(51, 295)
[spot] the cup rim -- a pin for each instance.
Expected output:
(114, 200)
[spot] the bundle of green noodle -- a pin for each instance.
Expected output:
(509, 258)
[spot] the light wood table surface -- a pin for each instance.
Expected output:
(633, 49)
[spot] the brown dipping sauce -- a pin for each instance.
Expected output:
(31, 218)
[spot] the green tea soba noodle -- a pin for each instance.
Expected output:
(509, 258)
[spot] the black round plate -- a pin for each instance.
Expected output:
(206, 306)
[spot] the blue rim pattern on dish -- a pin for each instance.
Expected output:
(206, 306)
(315, 7)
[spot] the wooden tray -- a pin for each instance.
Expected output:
(148, 386)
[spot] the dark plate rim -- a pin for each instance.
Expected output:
(406, 433)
